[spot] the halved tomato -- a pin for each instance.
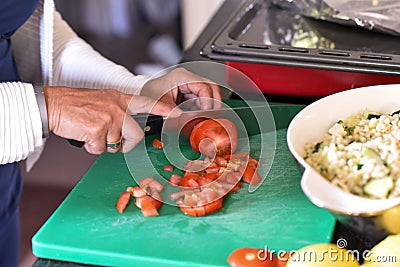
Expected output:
(214, 137)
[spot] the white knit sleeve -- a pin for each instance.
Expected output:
(77, 64)
(20, 122)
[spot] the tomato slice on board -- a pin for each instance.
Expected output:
(251, 175)
(221, 161)
(136, 191)
(204, 209)
(123, 201)
(203, 180)
(175, 179)
(236, 187)
(251, 257)
(168, 168)
(148, 205)
(189, 180)
(157, 144)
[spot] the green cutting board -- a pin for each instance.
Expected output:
(86, 228)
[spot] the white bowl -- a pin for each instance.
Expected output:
(313, 122)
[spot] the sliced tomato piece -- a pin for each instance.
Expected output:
(149, 184)
(148, 205)
(136, 191)
(253, 162)
(214, 206)
(221, 161)
(157, 144)
(203, 180)
(191, 183)
(236, 187)
(194, 211)
(203, 209)
(123, 201)
(214, 169)
(251, 176)
(188, 178)
(212, 176)
(251, 257)
(168, 168)
(175, 179)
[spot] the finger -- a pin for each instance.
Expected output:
(143, 104)
(132, 134)
(96, 146)
(114, 141)
(208, 93)
(216, 95)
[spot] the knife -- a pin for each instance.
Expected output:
(243, 117)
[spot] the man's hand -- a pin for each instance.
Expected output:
(99, 116)
(166, 88)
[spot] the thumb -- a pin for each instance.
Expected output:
(132, 133)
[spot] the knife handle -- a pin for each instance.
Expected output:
(75, 142)
(151, 124)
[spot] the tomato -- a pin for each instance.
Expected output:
(175, 179)
(253, 162)
(236, 187)
(168, 168)
(123, 201)
(204, 209)
(189, 180)
(221, 161)
(251, 257)
(148, 205)
(157, 144)
(212, 169)
(214, 137)
(251, 175)
(136, 191)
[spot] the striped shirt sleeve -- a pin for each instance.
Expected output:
(20, 122)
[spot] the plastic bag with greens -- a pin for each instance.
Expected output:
(378, 15)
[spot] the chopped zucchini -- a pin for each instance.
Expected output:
(379, 187)
(370, 153)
